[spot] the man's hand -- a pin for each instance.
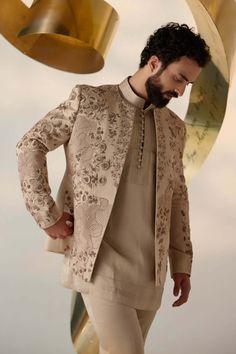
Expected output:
(61, 229)
(181, 282)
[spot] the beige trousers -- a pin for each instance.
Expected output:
(120, 329)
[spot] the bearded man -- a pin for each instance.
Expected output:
(122, 209)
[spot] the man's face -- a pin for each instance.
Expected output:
(171, 82)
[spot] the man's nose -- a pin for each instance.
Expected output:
(180, 90)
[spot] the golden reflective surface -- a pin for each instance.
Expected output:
(70, 35)
(216, 22)
(82, 332)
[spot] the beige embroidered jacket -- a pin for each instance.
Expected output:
(94, 124)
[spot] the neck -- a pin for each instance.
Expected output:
(137, 83)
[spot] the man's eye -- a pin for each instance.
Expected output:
(178, 79)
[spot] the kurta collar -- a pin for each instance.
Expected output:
(131, 96)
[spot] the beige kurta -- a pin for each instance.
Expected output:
(125, 266)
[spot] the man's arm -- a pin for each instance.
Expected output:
(180, 249)
(46, 135)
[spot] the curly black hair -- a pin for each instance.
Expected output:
(172, 41)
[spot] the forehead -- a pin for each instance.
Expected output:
(185, 66)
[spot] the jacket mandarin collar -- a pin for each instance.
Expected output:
(131, 96)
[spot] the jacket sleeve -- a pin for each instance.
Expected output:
(46, 135)
(180, 249)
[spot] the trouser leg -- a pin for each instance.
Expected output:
(117, 326)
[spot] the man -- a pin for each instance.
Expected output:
(122, 208)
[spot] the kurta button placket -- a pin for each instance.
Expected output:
(141, 140)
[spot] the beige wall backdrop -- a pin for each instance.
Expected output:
(34, 308)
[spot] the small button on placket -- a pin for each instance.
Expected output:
(141, 140)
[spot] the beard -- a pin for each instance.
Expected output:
(155, 94)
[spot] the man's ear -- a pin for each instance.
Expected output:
(154, 64)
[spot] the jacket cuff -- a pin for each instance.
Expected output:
(49, 217)
(179, 263)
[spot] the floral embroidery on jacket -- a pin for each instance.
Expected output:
(95, 124)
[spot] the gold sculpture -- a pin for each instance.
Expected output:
(71, 35)
(74, 35)
(215, 20)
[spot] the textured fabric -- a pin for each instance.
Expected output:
(95, 125)
(125, 267)
(120, 329)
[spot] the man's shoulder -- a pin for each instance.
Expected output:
(97, 89)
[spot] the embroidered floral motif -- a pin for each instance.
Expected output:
(171, 137)
(68, 203)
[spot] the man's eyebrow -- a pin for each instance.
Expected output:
(185, 78)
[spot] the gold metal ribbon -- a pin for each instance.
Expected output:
(216, 21)
(70, 35)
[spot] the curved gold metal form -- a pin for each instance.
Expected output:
(216, 21)
(70, 35)
(83, 336)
